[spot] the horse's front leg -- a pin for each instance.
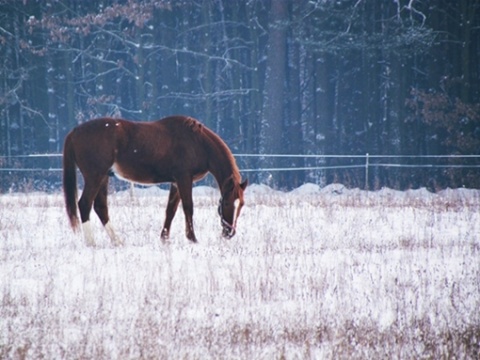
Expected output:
(173, 200)
(185, 190)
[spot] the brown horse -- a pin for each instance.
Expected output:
(176, 149)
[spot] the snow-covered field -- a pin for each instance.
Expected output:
(314, 273)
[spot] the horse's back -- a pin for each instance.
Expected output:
(176, 125)
(97, 125)
(185, 129)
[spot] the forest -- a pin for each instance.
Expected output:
(284, 77)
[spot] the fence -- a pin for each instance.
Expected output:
(42, 171)
(369, 168)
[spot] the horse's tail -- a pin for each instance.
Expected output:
(70, 181)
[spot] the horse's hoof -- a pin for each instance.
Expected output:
(165, 235)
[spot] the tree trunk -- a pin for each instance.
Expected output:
(272, 120)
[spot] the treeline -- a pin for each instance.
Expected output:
(271, 77)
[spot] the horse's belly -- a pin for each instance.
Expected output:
(138, 174)
(117, 171)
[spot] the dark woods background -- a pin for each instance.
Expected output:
(396, 77)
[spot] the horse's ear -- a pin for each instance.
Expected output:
(244, 184)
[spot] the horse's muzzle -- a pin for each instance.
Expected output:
(228, 233)
(228, 230)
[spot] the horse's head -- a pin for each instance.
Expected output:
(230, 206)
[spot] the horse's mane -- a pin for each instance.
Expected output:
(216, 143)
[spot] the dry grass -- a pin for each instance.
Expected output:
(332, 274)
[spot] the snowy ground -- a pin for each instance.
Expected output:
(314, 273)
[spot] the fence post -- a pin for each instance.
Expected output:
(366, 170)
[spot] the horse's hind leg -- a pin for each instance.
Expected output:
(173, 200)
(85, 206)
(101, 208)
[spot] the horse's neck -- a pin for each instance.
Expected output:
(221, 169)
(222, 166)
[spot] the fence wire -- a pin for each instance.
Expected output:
(364, 167)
